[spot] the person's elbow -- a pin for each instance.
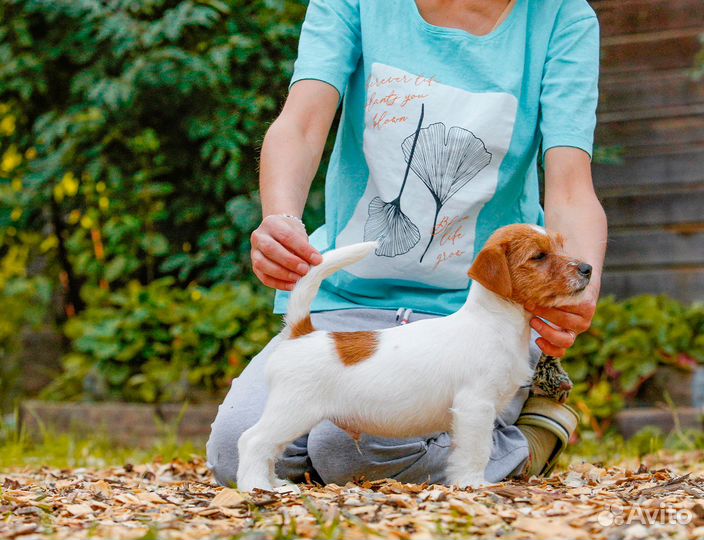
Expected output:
(568, 178)
(308, 112)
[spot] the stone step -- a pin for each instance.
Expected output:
(129, 424)
(631, 421)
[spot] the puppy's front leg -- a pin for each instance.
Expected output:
(473, 424)
(286, 417)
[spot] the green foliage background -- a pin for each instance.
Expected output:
(129, 136)
(626, 343)
(136, 129)
(161, 343)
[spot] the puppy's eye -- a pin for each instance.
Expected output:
(539, 257)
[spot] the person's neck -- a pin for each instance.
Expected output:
(477, 17)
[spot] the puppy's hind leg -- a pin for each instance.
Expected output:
(285, 418)
(473, 424)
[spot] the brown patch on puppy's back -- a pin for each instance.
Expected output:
(355, 347)
(302, 328)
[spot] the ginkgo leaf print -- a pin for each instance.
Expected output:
(445, 161)
(387, 224)
(394, 230)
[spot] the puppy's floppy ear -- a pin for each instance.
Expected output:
(490, 268)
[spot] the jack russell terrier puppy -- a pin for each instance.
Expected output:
(454, 373)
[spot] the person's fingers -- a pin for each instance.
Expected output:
(550, 349)
(557, 337)
(296, 241)
(564, 319)
(585, 309)
(265, 266)
(273, 282)
(277, 253)
(276, 283)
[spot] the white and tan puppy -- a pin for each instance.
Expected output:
(454, 373)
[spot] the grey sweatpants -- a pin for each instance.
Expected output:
(331, 452)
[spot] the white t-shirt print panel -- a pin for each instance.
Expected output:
(434, 153)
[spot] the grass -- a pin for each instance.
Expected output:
(69, 450)
(613, 449)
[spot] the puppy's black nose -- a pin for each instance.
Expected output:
(585, 269)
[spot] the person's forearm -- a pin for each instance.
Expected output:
(583, 224)
(281, 250)
(576, 213)
(572, 210)
(288, 165)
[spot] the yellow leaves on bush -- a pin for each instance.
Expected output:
(94, 114)
(196, 295)
(16, 214)
(74, 217)
(67, 187)
(49, 243)
(11, 159)
(13, 264)
(100, 187)
(86, 222)
(31, 153)
(8, 125)
(104, 203)
(69, 184)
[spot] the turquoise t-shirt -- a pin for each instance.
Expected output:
(439, 136)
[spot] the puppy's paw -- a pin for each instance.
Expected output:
(280, 482)
(288, 488)
(251, 483)
(284, 486)
(471, 480)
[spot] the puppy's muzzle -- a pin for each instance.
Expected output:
(585, 270)
(584, 275)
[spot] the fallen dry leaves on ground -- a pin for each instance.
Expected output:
(662, 497)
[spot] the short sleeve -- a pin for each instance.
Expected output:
(330, 43)
(569, 90)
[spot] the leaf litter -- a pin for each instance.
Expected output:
(660, 497)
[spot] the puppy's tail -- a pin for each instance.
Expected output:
(298, 314)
